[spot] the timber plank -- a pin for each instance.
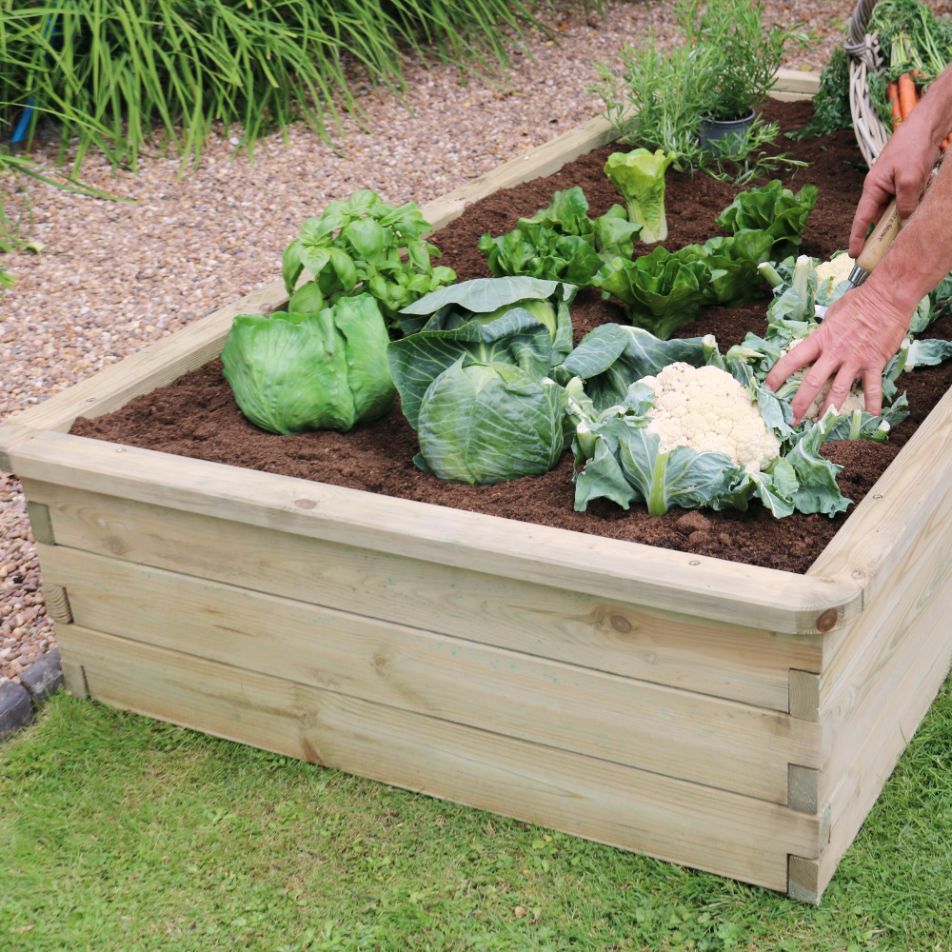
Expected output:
(709, 588)
(676, 733)
(913, 497)
(620, 637)
(859, 774)
(671, 819)
(873, 692)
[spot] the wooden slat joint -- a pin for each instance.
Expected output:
(57, 604)
(803, 879)
(803, 788)
(74, 676)
(804, 695)
(40, 522)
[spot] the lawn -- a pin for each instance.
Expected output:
(119, 832)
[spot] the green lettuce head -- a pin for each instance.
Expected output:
(639, 177)
(293, 372)
(487, 423)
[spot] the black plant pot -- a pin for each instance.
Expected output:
(714, 130)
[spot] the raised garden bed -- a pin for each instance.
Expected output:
(733, 717)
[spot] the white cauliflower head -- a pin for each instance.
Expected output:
(830, 273)
(706, 409)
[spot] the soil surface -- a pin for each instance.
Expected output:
(196, 415)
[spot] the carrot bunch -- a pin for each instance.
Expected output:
(903, 94)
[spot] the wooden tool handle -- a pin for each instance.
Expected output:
(880, 239)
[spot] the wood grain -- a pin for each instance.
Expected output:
(620, 637)
(676, 733)
(658, 578)
(674, 820)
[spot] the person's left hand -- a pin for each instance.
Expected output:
(859, 335)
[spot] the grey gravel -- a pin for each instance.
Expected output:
(112, 278)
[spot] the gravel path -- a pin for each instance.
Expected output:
(112, 278)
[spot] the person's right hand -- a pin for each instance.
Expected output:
(900, 172)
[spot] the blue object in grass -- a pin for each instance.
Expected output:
(26, 117)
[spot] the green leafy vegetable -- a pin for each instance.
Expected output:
(294, 372)
(831, 104)
(610, 357)
(663, 290)
(520, 321)
(539, 251)
(487, 423)
(774, 209)
(732, 262)
(639, 177)
(561, 243)
(364, 245)
(704, 446)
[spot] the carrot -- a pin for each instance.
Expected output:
(946, 142)
(893, 94)
(907, 95)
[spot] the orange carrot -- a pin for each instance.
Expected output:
(907, 95)
(946, 142)
(893, 95)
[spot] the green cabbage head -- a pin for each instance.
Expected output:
(487, 423)
(294, 372)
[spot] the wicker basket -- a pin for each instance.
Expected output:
(865, 57)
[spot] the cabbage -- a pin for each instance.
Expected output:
(487, 423)
(293, 372)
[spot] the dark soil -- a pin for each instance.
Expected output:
(196, 415)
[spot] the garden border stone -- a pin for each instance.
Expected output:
(20, 702)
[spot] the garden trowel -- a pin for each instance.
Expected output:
(877, 244)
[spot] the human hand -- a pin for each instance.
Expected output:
(901, 172)
(859, 335)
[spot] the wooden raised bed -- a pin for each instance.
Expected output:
(733, 718)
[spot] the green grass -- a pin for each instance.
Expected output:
(120, 833)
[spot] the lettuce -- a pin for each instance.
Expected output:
(639, 177)
(774, 209)
(560, 242)
(662, 290)
(293, 372)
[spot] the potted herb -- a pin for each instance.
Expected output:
(739, 58)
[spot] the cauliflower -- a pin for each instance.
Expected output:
(855, 399)
(706, 409)
(830, 273)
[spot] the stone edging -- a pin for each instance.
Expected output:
(19, 703)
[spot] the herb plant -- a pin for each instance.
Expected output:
(363, 245)
(741, 56)
(664, 92)
(831, 104)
